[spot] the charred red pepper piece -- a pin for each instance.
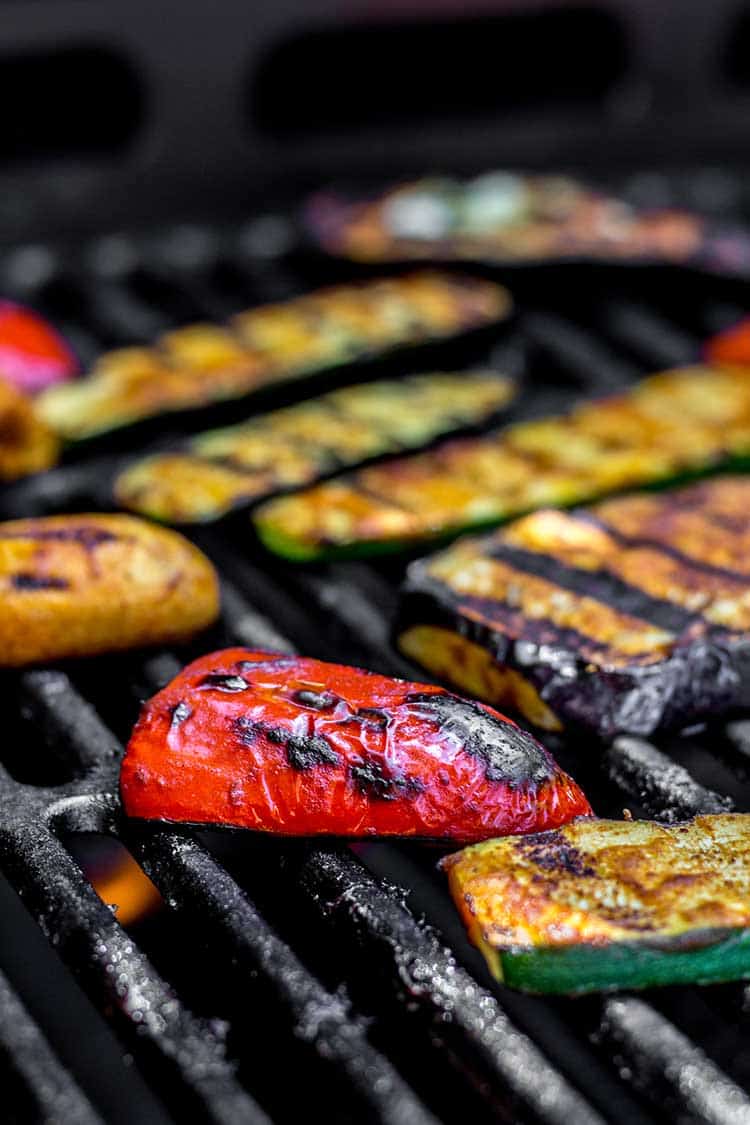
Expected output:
(32, 355)
(294, 746)
(731, 346)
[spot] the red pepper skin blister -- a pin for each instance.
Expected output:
(731, 346)
(293, 746)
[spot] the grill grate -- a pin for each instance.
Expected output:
(298, 977)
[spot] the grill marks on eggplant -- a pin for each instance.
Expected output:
(613, 629)
(305, 748)
(602, 585)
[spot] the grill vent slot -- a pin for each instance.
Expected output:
(67, 103)
(386, 74)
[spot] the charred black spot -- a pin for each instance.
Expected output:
(509, 754)
(38, 582)
(220, 681)
(180, 713)
(372, 780)
(318, 701)
(303, 751)
(373, 716)
(552, 852)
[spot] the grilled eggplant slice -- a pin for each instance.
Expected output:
(628, 616)
(501, 217)
(603, 904)
(26, 444)
(204, 364)
(225, 469)
(85, 584)
(676, 423)
(293, 746)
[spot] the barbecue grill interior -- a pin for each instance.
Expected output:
(273, 979)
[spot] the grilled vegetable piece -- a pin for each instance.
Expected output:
(271, 453)
(602, 904)
(501, 217)
(26, 445)
(678, 422)
(85, 584)
(32, 354)
(291, 745)
(628, 616)
(204, 363)
(731, 346)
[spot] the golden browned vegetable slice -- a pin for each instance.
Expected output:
(26, 444)
(205, 363)
(628, 616)
(225, 468)
(676, 422)
(601, 904)
(85, 584)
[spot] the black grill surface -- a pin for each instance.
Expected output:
(288, 981)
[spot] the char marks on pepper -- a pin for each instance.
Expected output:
(509, 754)
(303, 751)
(219, 681)
(372, 779)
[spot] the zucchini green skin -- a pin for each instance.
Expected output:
(222, 470)
(579, 969)
(665, 430)
(603, 904)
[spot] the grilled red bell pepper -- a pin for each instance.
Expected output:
(731, 346)
(32, 354)
(291, 745)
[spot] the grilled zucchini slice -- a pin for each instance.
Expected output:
(603, 904)
(674, 424)
(204, 364)
(630, 616)
(224, 469)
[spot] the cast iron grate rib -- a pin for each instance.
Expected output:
(371, 988)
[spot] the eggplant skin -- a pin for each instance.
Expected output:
(27, 445)
(228, 468)
(294, 746)
(630, 616)
(204, 364)
(602, 904)
(674, 425)
(80, 585)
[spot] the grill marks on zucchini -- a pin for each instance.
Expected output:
(605, 904)
(204, 363)
(615, 631)
(682, 421)
(224, 469)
